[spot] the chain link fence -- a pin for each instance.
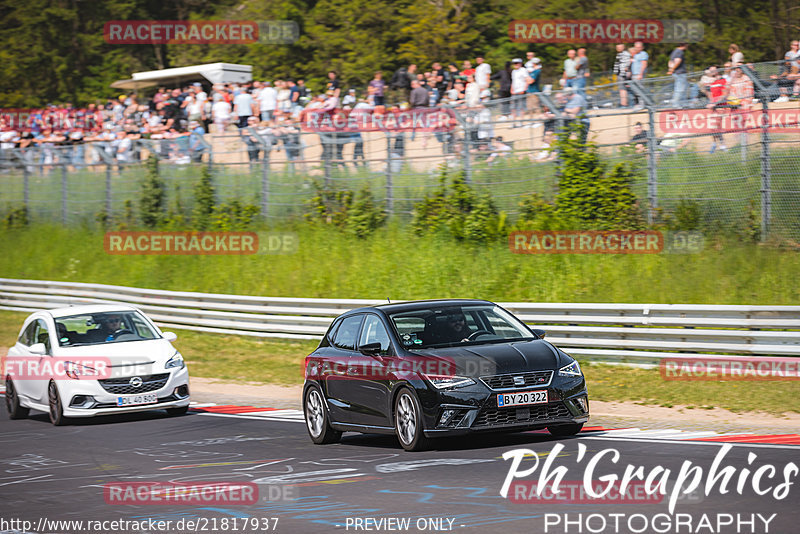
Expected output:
(739, 178)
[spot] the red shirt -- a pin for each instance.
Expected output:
(717, 88)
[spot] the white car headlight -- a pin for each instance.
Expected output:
(76, 370)
(175, 361)
(572, 369)
(444, 382)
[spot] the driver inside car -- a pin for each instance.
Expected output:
(455, 329)
(108, 326)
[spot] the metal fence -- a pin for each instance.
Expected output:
(739, 179)
(638, 334)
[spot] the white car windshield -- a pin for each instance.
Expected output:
(448, 325)
(106, 327)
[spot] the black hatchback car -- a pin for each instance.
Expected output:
(436, 368)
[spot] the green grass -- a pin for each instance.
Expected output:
(395, 264)
(253, 360)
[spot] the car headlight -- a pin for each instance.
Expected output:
(572, 369)
(76, 370)
(445, 382)
(175, 361)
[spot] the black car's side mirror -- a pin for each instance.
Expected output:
(539, 332)
(371, 349)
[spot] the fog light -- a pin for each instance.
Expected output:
(182, 391)
(446, 416)
(81, 401)
(583, 402)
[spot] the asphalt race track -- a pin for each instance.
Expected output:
(368, 483)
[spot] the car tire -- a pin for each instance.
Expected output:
(56, 410)
(565, 430)
(408, 422)
(15, 409)
(176, 412)
(317, 421)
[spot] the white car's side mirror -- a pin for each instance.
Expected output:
(38, 348)
(170, 336)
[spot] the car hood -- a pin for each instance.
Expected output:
(125, 358)
(500, 358)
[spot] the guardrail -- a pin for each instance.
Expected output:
(638, 334)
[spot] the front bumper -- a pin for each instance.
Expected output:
(174, 393)
(475, 409)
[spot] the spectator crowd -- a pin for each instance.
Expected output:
(268, 115)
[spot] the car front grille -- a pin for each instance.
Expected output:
(122, 386)
(495, 417)
(531, 379)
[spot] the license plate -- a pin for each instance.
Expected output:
(133, 400)
(522, 399)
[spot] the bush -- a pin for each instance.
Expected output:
(153, 199)
(589, 196)
(204, 194)
(233, 216)
(357, 214)
(460, 211)
(16, 218)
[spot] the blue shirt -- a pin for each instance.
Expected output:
(636, 66)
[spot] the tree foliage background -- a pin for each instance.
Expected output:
(53, 50)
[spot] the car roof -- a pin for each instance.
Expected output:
(421, 305)
(89, 309)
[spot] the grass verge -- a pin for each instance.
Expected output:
(394, 263)
(269, 361)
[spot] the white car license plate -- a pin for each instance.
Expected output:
(133, 400)
(522, 399)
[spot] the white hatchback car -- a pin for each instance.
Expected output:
(84, 361)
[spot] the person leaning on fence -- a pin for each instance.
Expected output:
(251, 139)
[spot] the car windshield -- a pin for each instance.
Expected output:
(106, 327)
(448, 326)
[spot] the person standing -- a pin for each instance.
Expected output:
(243, 107)
(622, 71)
(737, 57)
(677, 68)
(504, 92)
(570, 69)
(639, 65)
(482, 72)
(519, 86)
(376, 89)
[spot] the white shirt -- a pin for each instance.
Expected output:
(472, 95)
(243, 104)
(221, 110)
(482, 73)
(737, 58)
(519, 80)
(268, 99)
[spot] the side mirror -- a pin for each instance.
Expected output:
(539, 332)
(38, 348)
(371, 349)
(170, 336)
